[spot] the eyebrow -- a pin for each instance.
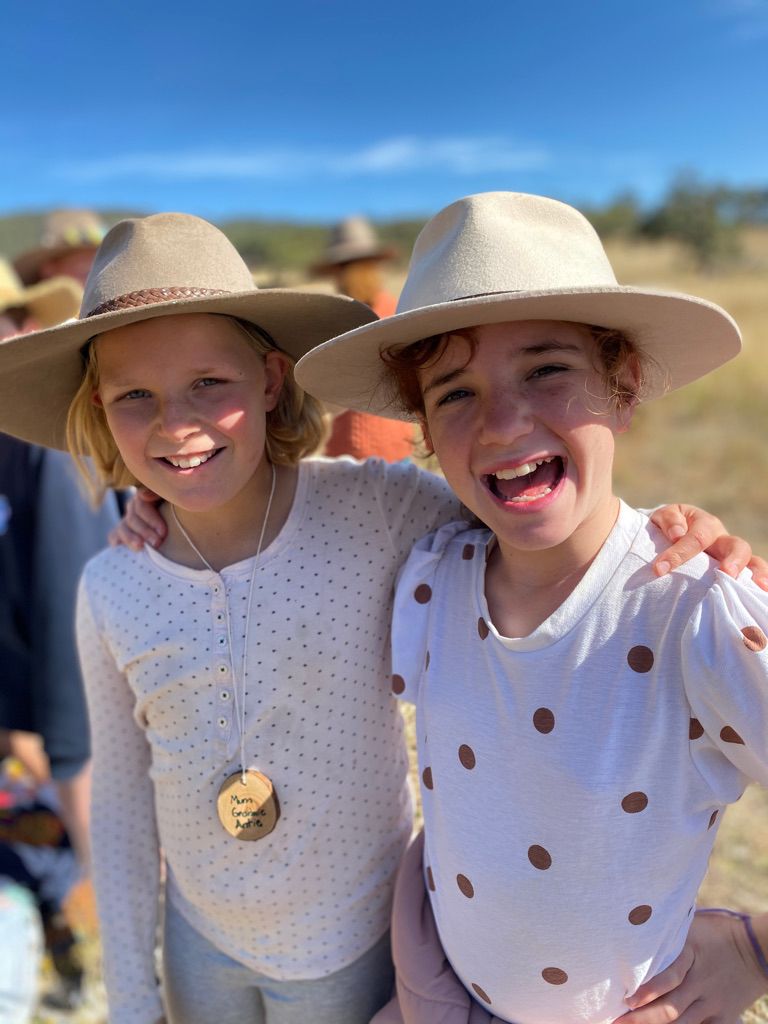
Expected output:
(540, 348)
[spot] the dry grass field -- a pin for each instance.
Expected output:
(707, 445)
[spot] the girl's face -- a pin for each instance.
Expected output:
(524, 432)
(186, 398)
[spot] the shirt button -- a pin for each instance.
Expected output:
(216, 588)
(223, 723)
(223, 669)
(222, 640)
(224, 694)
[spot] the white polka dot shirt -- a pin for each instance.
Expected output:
(315, 894)
(573, 780)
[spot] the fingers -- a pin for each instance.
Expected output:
(664, 982)
(122, 534)
(671, 520)
(692, 544)
(732, 553)
(759, 569)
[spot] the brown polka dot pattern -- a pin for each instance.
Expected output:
(481, 993)
(554, 976)
(468, 552)
(430, 880)
(712, 820)
(423, 593)
(754, 638)
(398, 684)
(640, 659)
(633, 803)
(639, 915)
(482, 628)
(729, 735)
(539, 857)
(426, 778)
(465, 886)
(543, 720)
(467, 756)
(695, 729)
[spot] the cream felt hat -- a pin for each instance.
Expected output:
(49, 301)
(502, 256)
(352, 239)
(63, 230)
(163, 265)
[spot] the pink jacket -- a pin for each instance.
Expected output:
(428, 991)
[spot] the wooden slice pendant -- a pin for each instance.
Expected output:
(247, 806)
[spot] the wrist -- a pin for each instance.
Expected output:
(756, 928)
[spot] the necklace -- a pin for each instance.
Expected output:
(247, 803)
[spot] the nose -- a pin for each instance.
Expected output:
(178, 420)
(505, 418)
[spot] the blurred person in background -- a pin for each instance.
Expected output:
(47, 533)
(68, 243)
(354, 257)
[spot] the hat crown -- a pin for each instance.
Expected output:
(354, 231)
(168, 252)
(72, 228)
(498, 242)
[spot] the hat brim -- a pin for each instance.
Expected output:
(27, 265)
(339, 257)
(41, 372)
(52, 301)
(686, 337)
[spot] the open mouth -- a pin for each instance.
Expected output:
(190, 461)
(528, 482)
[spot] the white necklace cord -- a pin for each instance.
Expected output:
(239, 698)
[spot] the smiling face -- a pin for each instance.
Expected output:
(186, 398)
(524, 432)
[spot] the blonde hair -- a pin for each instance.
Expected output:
(296, 427)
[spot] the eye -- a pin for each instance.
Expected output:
(206, 382)
(134, 393)
(549, 370)
(453, 396)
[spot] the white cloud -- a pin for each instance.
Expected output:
(748, 18)
(409, 154)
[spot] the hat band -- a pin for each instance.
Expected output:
(150, 296)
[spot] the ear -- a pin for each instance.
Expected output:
(624, 414)
(276, 367)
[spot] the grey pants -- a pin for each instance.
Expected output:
(204, 986)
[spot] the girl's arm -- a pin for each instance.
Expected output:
(125, 845)
(715, 978)
(690, 530)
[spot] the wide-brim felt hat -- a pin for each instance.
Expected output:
(507, 256)
(63, 231)
(163, 265)
(353, 238)
(49, 301)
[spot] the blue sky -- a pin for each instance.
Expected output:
(312, 110)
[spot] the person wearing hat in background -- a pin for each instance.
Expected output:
(68, 243)
(354, 258)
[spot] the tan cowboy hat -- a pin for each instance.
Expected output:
(50, 302)
(352, 239)
(63, 230)
(501, 256)
(162, 265)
